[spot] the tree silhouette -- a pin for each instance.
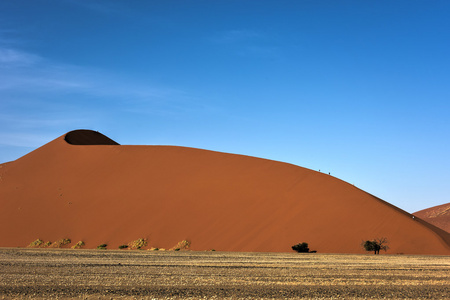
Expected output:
(301, 247)
(376, 245)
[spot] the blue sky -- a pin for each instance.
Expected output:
(356, 88)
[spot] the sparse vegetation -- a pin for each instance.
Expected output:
(376, 245)
(231, 275)
(35, 244)
(47, 244)
(102, 246)
(78, 245)
(60, 243)
(183, 245)
(301, 248)
(137, 244)
(123, 246)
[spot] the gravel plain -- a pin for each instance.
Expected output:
(142, 274)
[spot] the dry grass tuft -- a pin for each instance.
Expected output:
(183, 245)
(60, 243)
(137, 244)
(78, 245)
(36, 244)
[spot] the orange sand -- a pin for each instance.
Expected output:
(439, 216)
(114, 194)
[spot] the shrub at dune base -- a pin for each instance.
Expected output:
(183, 245)
(35, 244)
(137, 244)
(78, 245)
(102, 246)
(301, 248)
(60, 243)
(123, 246)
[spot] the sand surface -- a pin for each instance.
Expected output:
(85, 187)
(439, 216)
(97, 274)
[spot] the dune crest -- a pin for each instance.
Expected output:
(439, 216)
(86, 187)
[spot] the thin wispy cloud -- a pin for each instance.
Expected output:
(23, 139)
(40, 96)
(11, 57)
(24, 72)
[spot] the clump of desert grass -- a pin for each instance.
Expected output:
(137, 244)
(60, 243)
(78, 245)
(183, 245)
(102, 247)
(36, 244)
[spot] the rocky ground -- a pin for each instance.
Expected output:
(107, 274)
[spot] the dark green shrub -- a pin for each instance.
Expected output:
(102, 246)
(301, 248)
(123, 246)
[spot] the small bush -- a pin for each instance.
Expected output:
(60, 243)
(123, 246)
(301, 248)
(183, 245)
(47, 244)
(78, 245)
(138, 244)
(102, 246)
(35, 244)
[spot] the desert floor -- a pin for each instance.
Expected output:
(126, 274)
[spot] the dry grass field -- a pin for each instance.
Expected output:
(108, 274)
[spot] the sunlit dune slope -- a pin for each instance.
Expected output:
(75, 188)
(439, 216)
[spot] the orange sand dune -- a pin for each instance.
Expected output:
(439, 216)
(75, 188)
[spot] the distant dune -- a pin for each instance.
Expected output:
(439, 216)
(84, 186)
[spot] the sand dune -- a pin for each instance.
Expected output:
(84, 186)
(439, 216)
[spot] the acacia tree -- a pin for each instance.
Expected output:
(376, 245)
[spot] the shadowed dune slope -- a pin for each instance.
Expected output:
(439, 216)
(114, 194)
(88, 137)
